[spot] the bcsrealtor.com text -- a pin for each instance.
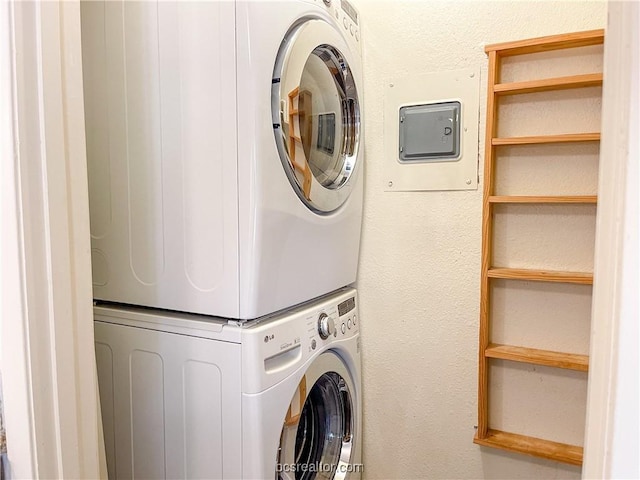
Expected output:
(319, 467)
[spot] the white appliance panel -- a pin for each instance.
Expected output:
(162, 153)
(142, 139)
(146, 382)
(104, 361)
(168, 409)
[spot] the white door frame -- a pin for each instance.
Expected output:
(47, 358)
(612, 431)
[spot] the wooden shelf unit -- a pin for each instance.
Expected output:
(488, 350)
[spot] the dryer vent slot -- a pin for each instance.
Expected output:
(283, 360)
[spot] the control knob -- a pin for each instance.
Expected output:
(326, 326)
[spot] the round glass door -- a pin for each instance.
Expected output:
(316, 115)
(317, 436)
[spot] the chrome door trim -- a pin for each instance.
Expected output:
(298, 45)
(328, 362)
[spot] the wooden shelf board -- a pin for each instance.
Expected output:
(548, 84)
(582, 278)
(581, 199)
(513, 442)
(570, 361)
(564, 138)
(545, 44)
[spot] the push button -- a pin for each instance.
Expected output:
(343, 328)
(344, 22)
(349, 324)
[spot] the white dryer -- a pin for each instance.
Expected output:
(224, 145)
(187, 396)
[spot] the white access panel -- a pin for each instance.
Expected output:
(160, 89)
(176, 401)
(458, 173)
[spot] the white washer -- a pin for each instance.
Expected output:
(187, 396)
(224, 150)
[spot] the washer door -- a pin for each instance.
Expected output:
(316, 114)
(317, 435)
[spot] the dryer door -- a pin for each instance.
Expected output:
(316, 114)
(317, 438)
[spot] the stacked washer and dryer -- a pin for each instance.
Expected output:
(224, 145)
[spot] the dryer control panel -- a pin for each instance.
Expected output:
(346, 16)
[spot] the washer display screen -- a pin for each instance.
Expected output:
(349, 10)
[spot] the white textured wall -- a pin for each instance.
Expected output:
(420, 258)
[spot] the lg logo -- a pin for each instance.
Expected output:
(268, 337)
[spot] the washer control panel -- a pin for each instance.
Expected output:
(279, 343)
(332, 323)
